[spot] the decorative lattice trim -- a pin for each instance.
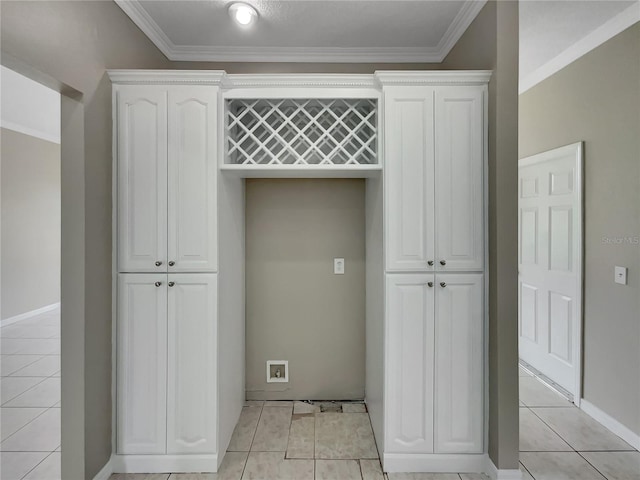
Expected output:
(301, 131)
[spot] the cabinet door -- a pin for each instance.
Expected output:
(410, 357)
(409, 171)
(142, 363)
(192, 179)
(459, 411)
(142, 179)
(459, 180)
(191, 404)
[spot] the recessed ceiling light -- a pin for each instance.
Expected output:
(243, 14)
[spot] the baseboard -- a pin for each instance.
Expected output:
(501, 474)
(611, 423)
(434, 463)
(165, 463)
(26, 315)
(106, 471)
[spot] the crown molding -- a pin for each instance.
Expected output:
(164, 77)
(202, 53)
(435, 77)
(300, 80)
(605, 32)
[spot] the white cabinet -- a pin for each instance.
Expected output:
(191, 380)
(434, 399)
(166, 360)
(434, 184)
(167, 179)
(141, 364)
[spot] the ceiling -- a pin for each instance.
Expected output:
(306, 30)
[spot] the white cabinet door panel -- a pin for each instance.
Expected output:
(409, 172)
(142, 179)
(410, 363)
(192, 179)
(142, 363)
(459, 180)
(459, 411)
(191, 404)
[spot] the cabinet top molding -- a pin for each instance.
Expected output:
(220, 78)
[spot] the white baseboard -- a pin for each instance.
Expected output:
(26, 315)
(611, 423)
(504, 474)
(165, 463)
(106, 471)
(434, 463)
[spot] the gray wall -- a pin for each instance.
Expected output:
(491, 42)
(30, 222)
(297, 309)
(596, 99)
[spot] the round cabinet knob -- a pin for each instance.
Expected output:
(430, 284)
(157, 284)
(171, 284)
(443, 262)
(430, 263)
(172, 263)
(443, 284)
(158, 263)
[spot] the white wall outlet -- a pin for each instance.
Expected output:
(620, 275)
(277, 371)
(338, 266)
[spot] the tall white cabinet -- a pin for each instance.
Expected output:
(183, 142)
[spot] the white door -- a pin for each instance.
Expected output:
(192, 179)
(458, 178)
(191, 402)
(459, 393)
(409, 170)
(142, 363)
(410, 356)
(550, 263)
(142, 179)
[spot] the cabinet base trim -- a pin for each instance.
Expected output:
(106, 471)
(165, 463)
(503, 474)
(435, 463)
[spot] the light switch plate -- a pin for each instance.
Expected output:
(338, 266)
(620, 275)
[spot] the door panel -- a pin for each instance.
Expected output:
(409, 384)
(142, 363)
(459, 181)
(409, 168)
(191, 403)
(142, 179)
(192, 180)
(459, 410)
(556, 274)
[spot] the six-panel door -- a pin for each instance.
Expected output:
(459, 358)
(142, 363)
(459, 222)
(142, 179)
(191, 402)
(192, 236)
(409, 178)
(410, 363)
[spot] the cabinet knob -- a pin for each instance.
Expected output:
(157, 284)
(443, 284)
(430, 263)
(443, 262)
(172, 263)
(158, 263)
(171, 284)
(430, 284)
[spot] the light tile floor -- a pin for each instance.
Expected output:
(30, 400)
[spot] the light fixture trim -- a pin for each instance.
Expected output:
(243, 14)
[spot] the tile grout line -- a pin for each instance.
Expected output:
(46, 409)
(32, 386)
(252, 440)
(553, 430)
(36, 466)
(23, 367)
(593, 466)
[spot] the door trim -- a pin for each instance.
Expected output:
(576, 150)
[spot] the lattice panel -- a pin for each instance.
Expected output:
(301, 131)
